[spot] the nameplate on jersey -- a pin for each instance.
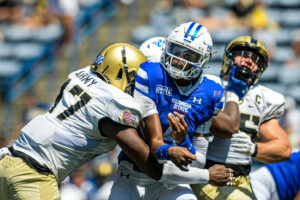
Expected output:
(181, 106)
(86, 78)
(164, 90)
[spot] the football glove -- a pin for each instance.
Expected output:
(242, 143)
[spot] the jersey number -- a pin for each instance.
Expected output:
(249, 124)
(75, 91)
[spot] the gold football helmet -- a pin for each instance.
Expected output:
(117, 64)
(250, 46)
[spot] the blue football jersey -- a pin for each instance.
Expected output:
(287, 176)
(198, 104)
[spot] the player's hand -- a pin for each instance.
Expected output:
(220, 175)
(236, 85)
(181, 157)
(179, 127)
(242, 143)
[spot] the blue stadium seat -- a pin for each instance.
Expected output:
(293, 91)
(23, 51)
(18, 33)
(9, 67)
(142, 33)
(270, 74)
(283, 36)
(6, 50)
(290, 17)
(288, 3)
(219, 53)
(274, 14)
(212, 68)
(281, 88)
(282, 54)
(224, 36)
(51, 33)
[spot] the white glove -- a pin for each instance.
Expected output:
(241, 142)
(4, 151)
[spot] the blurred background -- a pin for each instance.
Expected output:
(41, 41)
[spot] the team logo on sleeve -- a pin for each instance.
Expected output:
(128, 117)
(218, 93)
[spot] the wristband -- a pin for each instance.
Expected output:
(162, 152)
(188, 145)
(255, 151)
(231, 96)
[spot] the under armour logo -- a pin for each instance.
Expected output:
(126, 175)
(197, 100)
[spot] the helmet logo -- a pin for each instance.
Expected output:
(189, 36)
(159, 43)
(209, 48)
(99, 59)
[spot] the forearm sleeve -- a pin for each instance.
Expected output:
(173, 175)
(201, 146)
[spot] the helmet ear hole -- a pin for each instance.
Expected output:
(120, 74)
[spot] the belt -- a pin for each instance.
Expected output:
(30, 161)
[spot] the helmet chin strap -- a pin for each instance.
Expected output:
(128, 89)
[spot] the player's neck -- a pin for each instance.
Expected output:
(183, 82)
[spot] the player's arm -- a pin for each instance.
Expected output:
(214, 175)
(274, 145)
(153, 132)
(197, 144)
(128, 139)
(227, 122)
(130, 142)
(151, 127)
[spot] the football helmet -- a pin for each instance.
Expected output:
(191, 44)
(153, 48)
(249, 47)
(117, 64)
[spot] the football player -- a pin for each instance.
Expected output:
(260, 136)
(92, 113)
(153, 48)
(278, 180)
(176, 100)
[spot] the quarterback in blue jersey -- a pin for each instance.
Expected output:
(278, 181)
(175, 88)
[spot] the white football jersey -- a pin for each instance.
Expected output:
(260, 104)
(67, 136)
